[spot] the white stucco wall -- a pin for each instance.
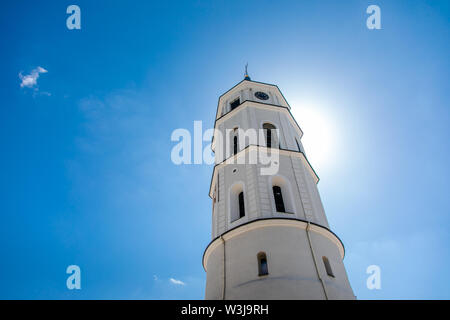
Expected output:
(293, 271)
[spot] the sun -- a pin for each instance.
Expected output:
(319, 132)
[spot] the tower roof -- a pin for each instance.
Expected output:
(245, 83)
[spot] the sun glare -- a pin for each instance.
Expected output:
(319, 132)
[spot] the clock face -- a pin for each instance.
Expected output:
(261, 95)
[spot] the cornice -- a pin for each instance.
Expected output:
(272, 222)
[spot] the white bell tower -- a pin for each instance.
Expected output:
(270, 234)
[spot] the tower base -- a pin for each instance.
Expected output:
(296, 255)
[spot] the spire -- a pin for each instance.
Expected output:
(246, 76)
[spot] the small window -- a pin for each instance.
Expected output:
(282, 196)
(327, 264)
(241, 205)
(235, 145)
(235, 103)
(237, 203)
(279, 204)
(262, 264)
(268, 128)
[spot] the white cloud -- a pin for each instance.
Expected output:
(30, 80)
(177, 282)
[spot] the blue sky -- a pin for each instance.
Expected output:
(86, 174)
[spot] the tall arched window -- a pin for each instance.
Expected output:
(241, 205)
(270, 133)
(279, 203)
(283, 200)
(237, 202)
(235, 145)
(263, 268)
(327, 264)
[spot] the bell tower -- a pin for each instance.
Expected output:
(270, 234)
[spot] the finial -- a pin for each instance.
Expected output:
(246, 76)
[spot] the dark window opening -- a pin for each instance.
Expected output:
(268, 130)
(269, 138)
(235, 103)
(235, 145)
(262, 264)
(241, 205)
(279, 204)
(327, 264)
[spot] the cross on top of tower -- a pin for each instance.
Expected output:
(246, 76)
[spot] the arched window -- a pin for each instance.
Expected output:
(279, 204)
(327, 264)
(241, 205)
(235, 145)
(270, 133)
(237, 202)
(235, 103)
(263, 269)
(283, 200)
